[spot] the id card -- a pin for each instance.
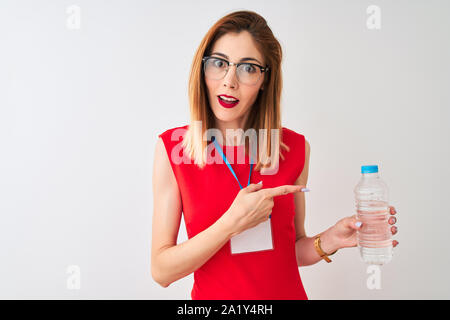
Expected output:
(254, 239)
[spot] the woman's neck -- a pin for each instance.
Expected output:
(232, 140)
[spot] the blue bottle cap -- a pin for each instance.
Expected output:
(369, 169)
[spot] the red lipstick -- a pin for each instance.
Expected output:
(230, 102)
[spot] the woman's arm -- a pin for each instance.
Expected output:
(304, 246)
(306, 252)
(170, 261)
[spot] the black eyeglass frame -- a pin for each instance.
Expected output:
(263, 69)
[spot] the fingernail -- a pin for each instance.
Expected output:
(304, 189)
(358, 224)
(260, 182)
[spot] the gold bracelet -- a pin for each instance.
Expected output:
(319, 250)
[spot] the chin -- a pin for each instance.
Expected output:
(225, 117)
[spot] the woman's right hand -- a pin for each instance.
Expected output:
(253, 205)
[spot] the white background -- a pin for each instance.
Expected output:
(80, 111)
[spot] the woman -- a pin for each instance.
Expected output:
(235, 83)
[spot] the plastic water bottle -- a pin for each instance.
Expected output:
(372, 207)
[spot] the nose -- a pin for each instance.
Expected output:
(230, 79)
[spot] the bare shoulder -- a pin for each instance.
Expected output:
(167, 204)
(163, 174)
(307, 148)
(303, 178)
(299, 198)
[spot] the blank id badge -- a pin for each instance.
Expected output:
(258, 238)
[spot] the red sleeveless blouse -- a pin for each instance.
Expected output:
(207, 193)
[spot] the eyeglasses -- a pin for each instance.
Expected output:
(247, 73)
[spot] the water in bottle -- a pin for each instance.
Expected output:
(374, 237)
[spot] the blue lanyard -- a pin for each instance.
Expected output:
(219, 149)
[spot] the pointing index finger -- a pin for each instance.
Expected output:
(282, 190)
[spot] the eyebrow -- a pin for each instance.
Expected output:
(242, 60)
